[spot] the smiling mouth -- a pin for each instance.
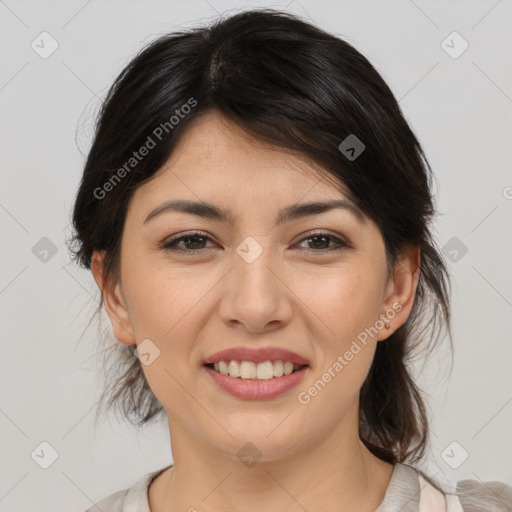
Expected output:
(249, 370)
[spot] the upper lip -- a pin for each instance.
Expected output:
(257, 355)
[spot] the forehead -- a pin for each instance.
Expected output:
(215, 156)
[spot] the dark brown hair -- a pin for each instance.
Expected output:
(295, 86)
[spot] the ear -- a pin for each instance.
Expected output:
(114, 301)
(400, 290)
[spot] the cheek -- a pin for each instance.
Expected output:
(347, 303)
(162, 298)
(169, 306)
(165, 305)
(346, 300)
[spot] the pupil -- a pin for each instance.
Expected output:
(195, 238)
(324, 238)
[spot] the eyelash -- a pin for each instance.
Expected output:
(171, 245)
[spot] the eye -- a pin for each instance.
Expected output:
(192, 239)
(321, 240)
(193, 243)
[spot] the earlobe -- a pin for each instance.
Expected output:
(401, 290)
(113, 300)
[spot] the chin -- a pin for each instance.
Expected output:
(257, 445)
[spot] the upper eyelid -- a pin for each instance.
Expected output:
(302, 237)
(316, 231)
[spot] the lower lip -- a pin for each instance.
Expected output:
(257, 389)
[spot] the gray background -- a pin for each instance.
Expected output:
(460, 109)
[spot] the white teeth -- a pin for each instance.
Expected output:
(288, 368)
(223, 367)
(265, 371)
(234, 369)
(251, 370)
(278, 369)
(247, 370)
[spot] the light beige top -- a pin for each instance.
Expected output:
(408, 491)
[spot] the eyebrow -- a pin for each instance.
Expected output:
(287, 214)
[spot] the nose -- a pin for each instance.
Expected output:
(256, 296)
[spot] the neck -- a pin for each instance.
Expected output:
(336, 473)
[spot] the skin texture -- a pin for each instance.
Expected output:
(292, 296)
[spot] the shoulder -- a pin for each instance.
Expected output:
(465, 496)
(112, 503)
(133, 498)
(489, 496)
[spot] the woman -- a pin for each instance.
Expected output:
(256, 213)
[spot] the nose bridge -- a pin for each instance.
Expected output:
(253, 263)
(255, 295)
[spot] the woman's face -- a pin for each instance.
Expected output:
(316, 285)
